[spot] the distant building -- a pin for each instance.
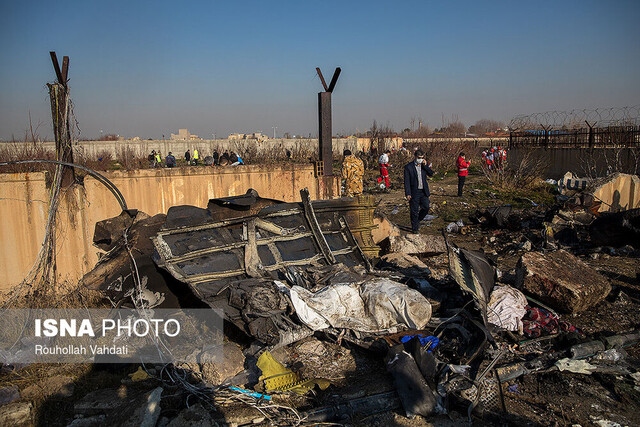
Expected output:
(255, 135)
(184, 135)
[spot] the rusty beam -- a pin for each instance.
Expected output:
(324, 132)
(56, 67)
(65, 70)
(324, 84)
(334, 80)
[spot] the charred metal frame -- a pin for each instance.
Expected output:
(245, 246)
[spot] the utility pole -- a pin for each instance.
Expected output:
(60, 112)
(324, 121)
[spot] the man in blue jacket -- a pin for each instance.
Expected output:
(416, 188)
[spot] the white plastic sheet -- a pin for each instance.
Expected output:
(506, 308)
(377, 305)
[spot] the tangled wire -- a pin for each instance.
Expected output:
(600, 117)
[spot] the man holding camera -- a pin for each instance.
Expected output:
(416, 188)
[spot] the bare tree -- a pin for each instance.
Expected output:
(485, 126)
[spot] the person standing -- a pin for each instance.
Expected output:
(416, 188)
(352, 173)
(463, 171)
(224, 159)
(158, 160)
(383, 162)
(170, 161)
(196, 157)
(187, 156)
(216, 158)
(235, 159)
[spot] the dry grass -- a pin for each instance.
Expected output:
(48, 295)
(443, 154)
(13, 151)
(248, 151)
(524, 174)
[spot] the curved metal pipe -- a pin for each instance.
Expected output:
(110, 185)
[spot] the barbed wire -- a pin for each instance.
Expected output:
(599, 117)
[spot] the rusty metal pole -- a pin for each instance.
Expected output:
(324, 132)
(324, 121)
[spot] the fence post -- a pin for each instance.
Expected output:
(591, 136)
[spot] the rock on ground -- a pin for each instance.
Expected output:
(94, 421)
(218, 364)
(148, 413)
(418, 244)
(194, 416)
(122, 406)
(57, 386)
(561, 280)
(9, 394)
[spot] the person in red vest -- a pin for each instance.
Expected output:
(383, 162)
(463, 171)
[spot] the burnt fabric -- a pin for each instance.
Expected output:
(538, 322)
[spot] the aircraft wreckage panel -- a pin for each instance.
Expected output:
(213, 254)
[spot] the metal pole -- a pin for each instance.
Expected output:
(324, 134)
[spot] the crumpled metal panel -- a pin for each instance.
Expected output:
(234, 240)
(473, 273)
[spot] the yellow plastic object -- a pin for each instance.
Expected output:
(139, 375)
(277, 377)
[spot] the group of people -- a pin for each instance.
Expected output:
(416, 186)
(495, 158)
(155, 159)
(226, 159)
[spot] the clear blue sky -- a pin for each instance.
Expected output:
(147, 68)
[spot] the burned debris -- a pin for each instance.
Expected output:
(323, 325)
(310, 306)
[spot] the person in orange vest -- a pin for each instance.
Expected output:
(463, 171)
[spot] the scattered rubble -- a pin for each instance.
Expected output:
(322, 324)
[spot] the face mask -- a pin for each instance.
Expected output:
(419, 161)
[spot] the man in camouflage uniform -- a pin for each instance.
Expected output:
(352, 173)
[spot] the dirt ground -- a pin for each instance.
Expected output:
(539, 399)
(544, 398)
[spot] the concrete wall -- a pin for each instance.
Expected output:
(23, 207)
(579, 160)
